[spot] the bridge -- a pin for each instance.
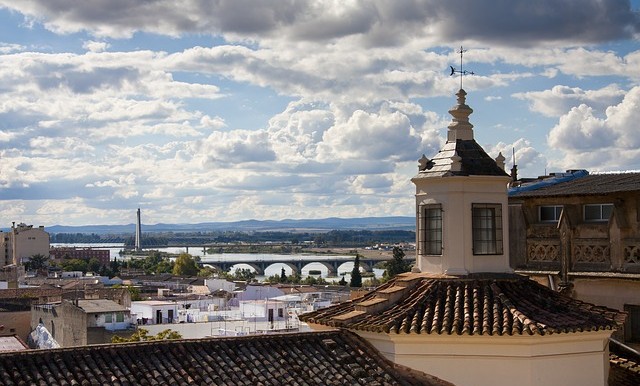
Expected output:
(296, 262)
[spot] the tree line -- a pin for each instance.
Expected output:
(337, 238)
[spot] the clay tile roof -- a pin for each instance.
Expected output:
(317, 358)
(474, 161)
(502, 305)
(30, 293)
(623, 371)
(587, 185)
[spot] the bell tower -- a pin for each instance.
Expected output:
(461, 205)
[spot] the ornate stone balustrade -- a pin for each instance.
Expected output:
(543, 250)
(591, 251)
(631, 252)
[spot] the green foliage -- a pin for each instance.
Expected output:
(356, 276)
(36, 262)
(311, 280)
(244, 274)
(185, 265)
(397, 265)
(294, 278)
(342, 281)
(273, 279)
(94, 265)
(135, 293)
(336, 237)
(74, 265)
(134, 263)
(208, 272)
(143, 335)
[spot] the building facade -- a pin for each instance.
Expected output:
(84, 321)
(21, 242)
(102, 255)
(580, 232)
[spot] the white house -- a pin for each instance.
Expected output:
(259, 292)
(264, 310)
(155, 311)
(106, 313)
(223, 285)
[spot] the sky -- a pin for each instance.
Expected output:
(226, 110)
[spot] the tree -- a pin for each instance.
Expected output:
(207, 272)
(143, 335)
(356, 276)
(244, 274)
(74, 265)
(342, 281)
(283, 276)
(397, 265)
(36, 262)
(185, 265)
(310, 280)
(94, 265)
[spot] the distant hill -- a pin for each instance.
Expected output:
(305, 225)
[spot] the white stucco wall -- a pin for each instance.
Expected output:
(551, 360)
(148, 308)
(457, 195)
(219, 284)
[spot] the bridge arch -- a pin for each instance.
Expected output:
(364, 267)
(257, 268)
(292, 266)
(332, 269)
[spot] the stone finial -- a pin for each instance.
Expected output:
(500, 160)
(456, 162)
(423, 163)
(460, 128)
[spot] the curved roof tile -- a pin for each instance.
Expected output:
(511, 305)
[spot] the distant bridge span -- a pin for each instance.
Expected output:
(296, 263)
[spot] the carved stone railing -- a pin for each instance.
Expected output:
(591, 251)
(631, 252)
(543, 250)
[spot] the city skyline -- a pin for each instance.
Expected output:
(240, 110)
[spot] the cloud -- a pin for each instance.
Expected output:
(587, 141)
(559, 100)
(371, 137)
(344, 96)
(580, 129)
(94, 46)
(373, 23)
(525, 23)
(522, 153)
(239, 146)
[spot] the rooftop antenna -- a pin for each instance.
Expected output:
(461, 71)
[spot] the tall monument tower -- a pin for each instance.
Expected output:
(138, 244)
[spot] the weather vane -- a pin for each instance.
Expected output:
(461, 71)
